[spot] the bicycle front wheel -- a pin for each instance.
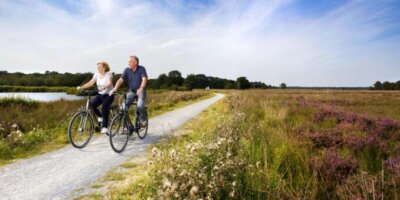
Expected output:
(119, 133)
(80, 129)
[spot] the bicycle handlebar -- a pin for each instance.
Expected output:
(89, 92)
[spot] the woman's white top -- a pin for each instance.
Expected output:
(102, 81)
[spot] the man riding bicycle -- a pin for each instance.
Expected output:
(136, 76)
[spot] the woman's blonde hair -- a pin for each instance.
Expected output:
(105, 65)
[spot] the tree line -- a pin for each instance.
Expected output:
(172, 80)
(386, 85)
(50, 79)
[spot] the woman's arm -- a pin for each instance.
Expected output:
(88, 84)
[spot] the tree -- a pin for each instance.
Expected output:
(197, 81)
(258, 84)
(175, 78)
(229, 84)
(162, 81)
(242, 83)
(388, 85)
(283, 85)
(378, 85)
(190, 81)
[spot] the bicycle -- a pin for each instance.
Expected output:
(82, 124)
(121, 126)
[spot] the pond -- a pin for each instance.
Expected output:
(41, 96)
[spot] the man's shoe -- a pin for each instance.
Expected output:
(143, 123)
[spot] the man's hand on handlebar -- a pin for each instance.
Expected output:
(139, 91)
(111, 93)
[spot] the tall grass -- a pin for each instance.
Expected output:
(278, 144)
(17, 101)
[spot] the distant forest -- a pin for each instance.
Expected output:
(386, 85)
(172, 80)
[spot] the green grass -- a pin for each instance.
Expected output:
(94, 196)
(17, 101)
(128, 165)
(96, 186)
(113, 176)
(172, 100)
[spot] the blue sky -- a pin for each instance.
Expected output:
(299, 42)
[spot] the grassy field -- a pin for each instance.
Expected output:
(278, 144)
(28, 127)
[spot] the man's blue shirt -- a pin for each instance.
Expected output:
(134, 78)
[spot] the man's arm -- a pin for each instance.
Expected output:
(117, 85)
(144, 79)
(142, 86)
(144, 82)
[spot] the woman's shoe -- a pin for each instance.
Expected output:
(104, 130)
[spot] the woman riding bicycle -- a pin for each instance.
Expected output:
(103, 80)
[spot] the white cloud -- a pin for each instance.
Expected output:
(260, 40)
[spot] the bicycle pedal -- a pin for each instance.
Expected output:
(131, 130)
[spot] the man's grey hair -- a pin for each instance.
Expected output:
(135, 57)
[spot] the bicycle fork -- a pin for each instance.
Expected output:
(84, 119)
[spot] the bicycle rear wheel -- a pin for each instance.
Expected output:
(80, 129)
(141, 131)
(119, 133)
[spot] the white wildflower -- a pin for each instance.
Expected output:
(14, 126)
(194, 190)
(166, 183)
(258, 164)
(234, 183)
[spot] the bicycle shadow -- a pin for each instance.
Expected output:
(136, 145)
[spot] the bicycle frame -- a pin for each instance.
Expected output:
(87, 108)
(122, 102)
(128, 126)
